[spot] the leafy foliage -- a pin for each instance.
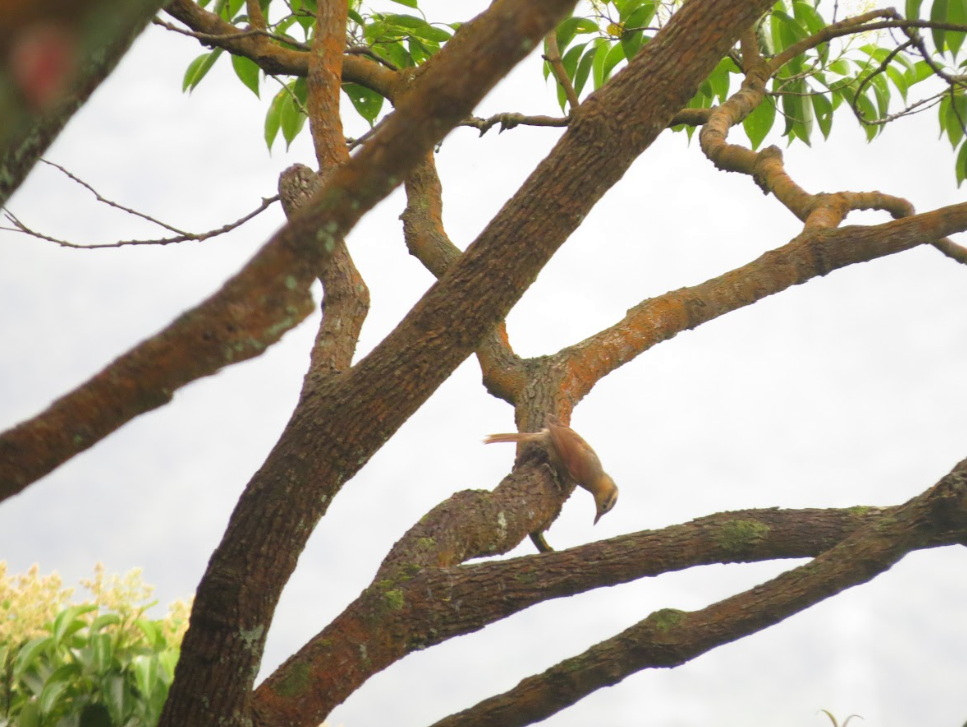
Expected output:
(869, 73)
(97, 663)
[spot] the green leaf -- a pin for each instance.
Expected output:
(115, 698)
(627, 7)
(584, 68)
(395, 53)
(632, 40)
(198, 69)
(570, 60)
(922, 71)
(407, 3)
(153, 633)
(839, 66)
(273, 119)
(808, 16)
(758, 124)
(803, 128)
(68, 621)
(866, 108)
(291, 120)
(641, 17)
(882, 93)
(824, 114)
(899, 80)
(247, 71)
(29, 715)
(50, 696)
(961, 165)
(571, 27)
(938, 14)
(792, 110)
(783, 30)
(102, 652)
(420, 51)
(367, 102)
(955, 119)
(147, 674)
(719, 78)
(410, 24)
(63, 674)
(29, 654)
(104, 620)
(913, 9)
(600, 58)
(956, 13)
(615, 56)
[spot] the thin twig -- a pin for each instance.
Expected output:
(216, 38)
(111, 203)
(509, 120)
(553, 58)
(295, 99)
(19, 226)
(362, 50)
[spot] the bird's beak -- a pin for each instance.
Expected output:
(597, 517)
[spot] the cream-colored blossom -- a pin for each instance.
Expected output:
(29, 602)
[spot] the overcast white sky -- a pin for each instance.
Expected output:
(848, 390)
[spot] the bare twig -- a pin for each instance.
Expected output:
(553, 57)
(217, 38)
(510, 120)
(19, 226)
(952, 250)
(362, 50)
(111, 203)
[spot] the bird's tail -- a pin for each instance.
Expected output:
(513, 437)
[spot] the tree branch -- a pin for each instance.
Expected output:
(286, 498)
(429, 243)
(271, 57)
(270, 294)
(97, 35)
(669, 637)
(814, 253)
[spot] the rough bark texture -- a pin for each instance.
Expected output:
(269, 296)
(99, 34)
(343, 420)
(424, 593)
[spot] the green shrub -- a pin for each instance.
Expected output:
(98, 663)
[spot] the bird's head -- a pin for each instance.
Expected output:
(605, 496)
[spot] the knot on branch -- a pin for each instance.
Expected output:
(765, 163)
(297, 185)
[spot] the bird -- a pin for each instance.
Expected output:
(572, 457)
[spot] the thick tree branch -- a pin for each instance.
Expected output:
(272, 57)
(346, 417)
(429, 243)
(847, 26)
(609, 131)
(670, 637)
(812, 254)
(269, 295)
(767, 169)
(96, 35)
(420, 604)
